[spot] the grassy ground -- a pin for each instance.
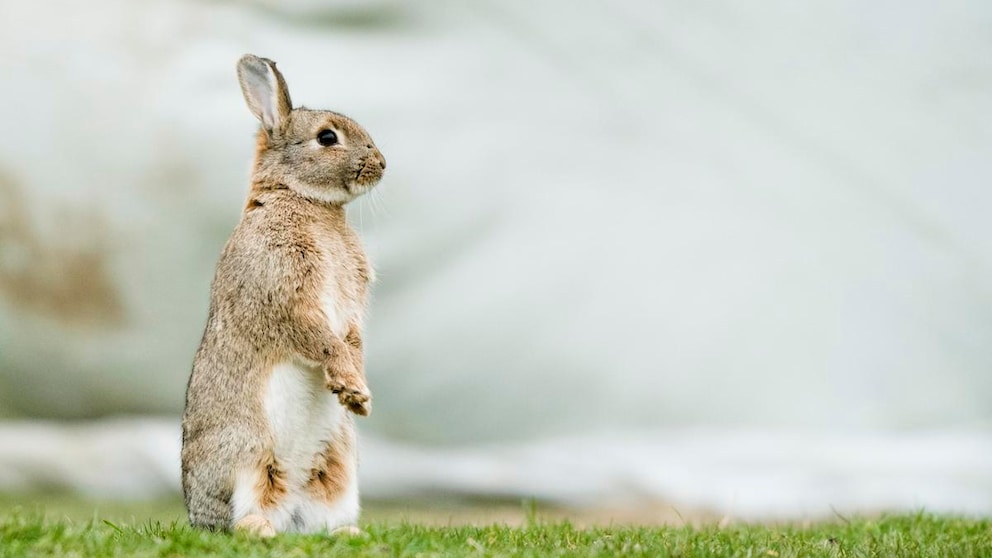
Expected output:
(33, 532)
(441, 512)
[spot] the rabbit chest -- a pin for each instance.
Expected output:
(347, 275)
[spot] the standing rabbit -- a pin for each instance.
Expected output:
(268, 445)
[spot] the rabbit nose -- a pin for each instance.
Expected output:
(378, 155)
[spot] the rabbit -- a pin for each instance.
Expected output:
(268, 442)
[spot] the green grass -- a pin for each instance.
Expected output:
(26, 533)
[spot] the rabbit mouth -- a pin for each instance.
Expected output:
(368, 173)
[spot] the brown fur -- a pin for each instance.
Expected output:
(271, 481)
(265, 304)
(335, 466)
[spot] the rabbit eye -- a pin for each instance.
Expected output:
(327, 138)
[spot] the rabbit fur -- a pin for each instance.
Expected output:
(268, 440)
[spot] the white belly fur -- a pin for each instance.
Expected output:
(303, 416)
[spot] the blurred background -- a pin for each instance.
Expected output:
(706, 256)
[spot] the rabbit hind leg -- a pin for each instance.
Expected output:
(260, 500)
(329, 499)
(207, 500)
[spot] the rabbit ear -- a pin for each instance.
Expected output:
(265, 91)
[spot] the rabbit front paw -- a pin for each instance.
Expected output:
(352, 393)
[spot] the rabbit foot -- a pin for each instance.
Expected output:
(255, 525)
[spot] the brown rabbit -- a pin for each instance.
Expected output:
(267, 443)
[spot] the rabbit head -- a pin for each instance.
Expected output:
(319, 154)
